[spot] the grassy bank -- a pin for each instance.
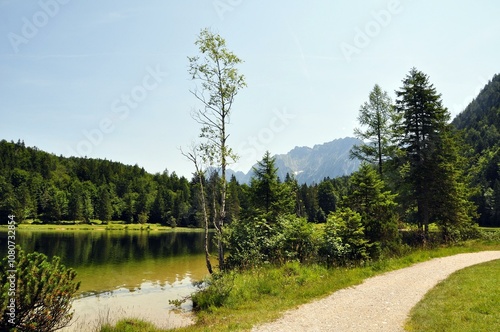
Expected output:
(98, 226)
(263, 294)
(467, 301)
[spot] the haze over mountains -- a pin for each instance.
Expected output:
(312, 165)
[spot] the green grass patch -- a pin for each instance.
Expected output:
(466, 301)
(130, 325)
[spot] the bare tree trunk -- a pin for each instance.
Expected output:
(199, 172)
(205, 220)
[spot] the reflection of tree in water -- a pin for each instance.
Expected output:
(104, 247)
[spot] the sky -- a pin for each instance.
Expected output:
(109, 79)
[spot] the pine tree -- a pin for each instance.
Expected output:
(265, 187)
(429, 166)
(104, 208)
(376, 206)
(327, 198)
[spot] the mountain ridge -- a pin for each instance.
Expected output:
(312, 164)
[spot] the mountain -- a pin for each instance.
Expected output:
(312, 165)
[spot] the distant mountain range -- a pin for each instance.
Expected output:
(312, 165)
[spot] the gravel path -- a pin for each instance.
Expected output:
(380, 303)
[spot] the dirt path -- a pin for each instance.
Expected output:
(380, 303)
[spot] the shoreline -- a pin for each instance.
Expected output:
(102, 227)
(149, 302)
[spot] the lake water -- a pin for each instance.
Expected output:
(124, 273)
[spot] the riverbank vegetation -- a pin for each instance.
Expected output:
(36, 292)
(262, 294)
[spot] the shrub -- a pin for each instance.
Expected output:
(251, 243)
(344, 241)
(214, 291)
(298, 240)
(43, 293)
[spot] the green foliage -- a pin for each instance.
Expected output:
(378, 117)
(214, 291)
(130, 325)
(344, 240)
(436, 190)
(479, 125)
(376, 206)
(298, 240)
(270, 198)
(327, 198)
(40, 186)
(43, 294)
(252, 243)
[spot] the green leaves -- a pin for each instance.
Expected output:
(43, 296)
(378, 118)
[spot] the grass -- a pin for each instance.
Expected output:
(130, 325)
(263, 294)
(101, 227)
(467, 301)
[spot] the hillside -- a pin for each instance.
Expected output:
(481, 118)
(38, 185)
(479, 124)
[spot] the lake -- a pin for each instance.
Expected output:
(124, 273)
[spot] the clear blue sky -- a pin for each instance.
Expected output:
(108, 79)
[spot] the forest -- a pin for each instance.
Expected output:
(36, 185)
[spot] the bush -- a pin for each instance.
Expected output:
(251, 243)
(344, 240)
(215, 291)
(298, 240)
(490, 235)
(244, 240)
(43, 293)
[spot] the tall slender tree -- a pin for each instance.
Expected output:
(216, 69)
(376, 116)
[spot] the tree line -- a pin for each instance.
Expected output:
(36, 185)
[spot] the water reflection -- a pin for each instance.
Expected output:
(109, 260)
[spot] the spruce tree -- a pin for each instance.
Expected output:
(375, 204)
(430, 166)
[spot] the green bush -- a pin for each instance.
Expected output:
(255, 242)
(344, 240)
(214, 291)
(42, 296)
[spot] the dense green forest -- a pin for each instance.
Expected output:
(36, 185)
(480, 127)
